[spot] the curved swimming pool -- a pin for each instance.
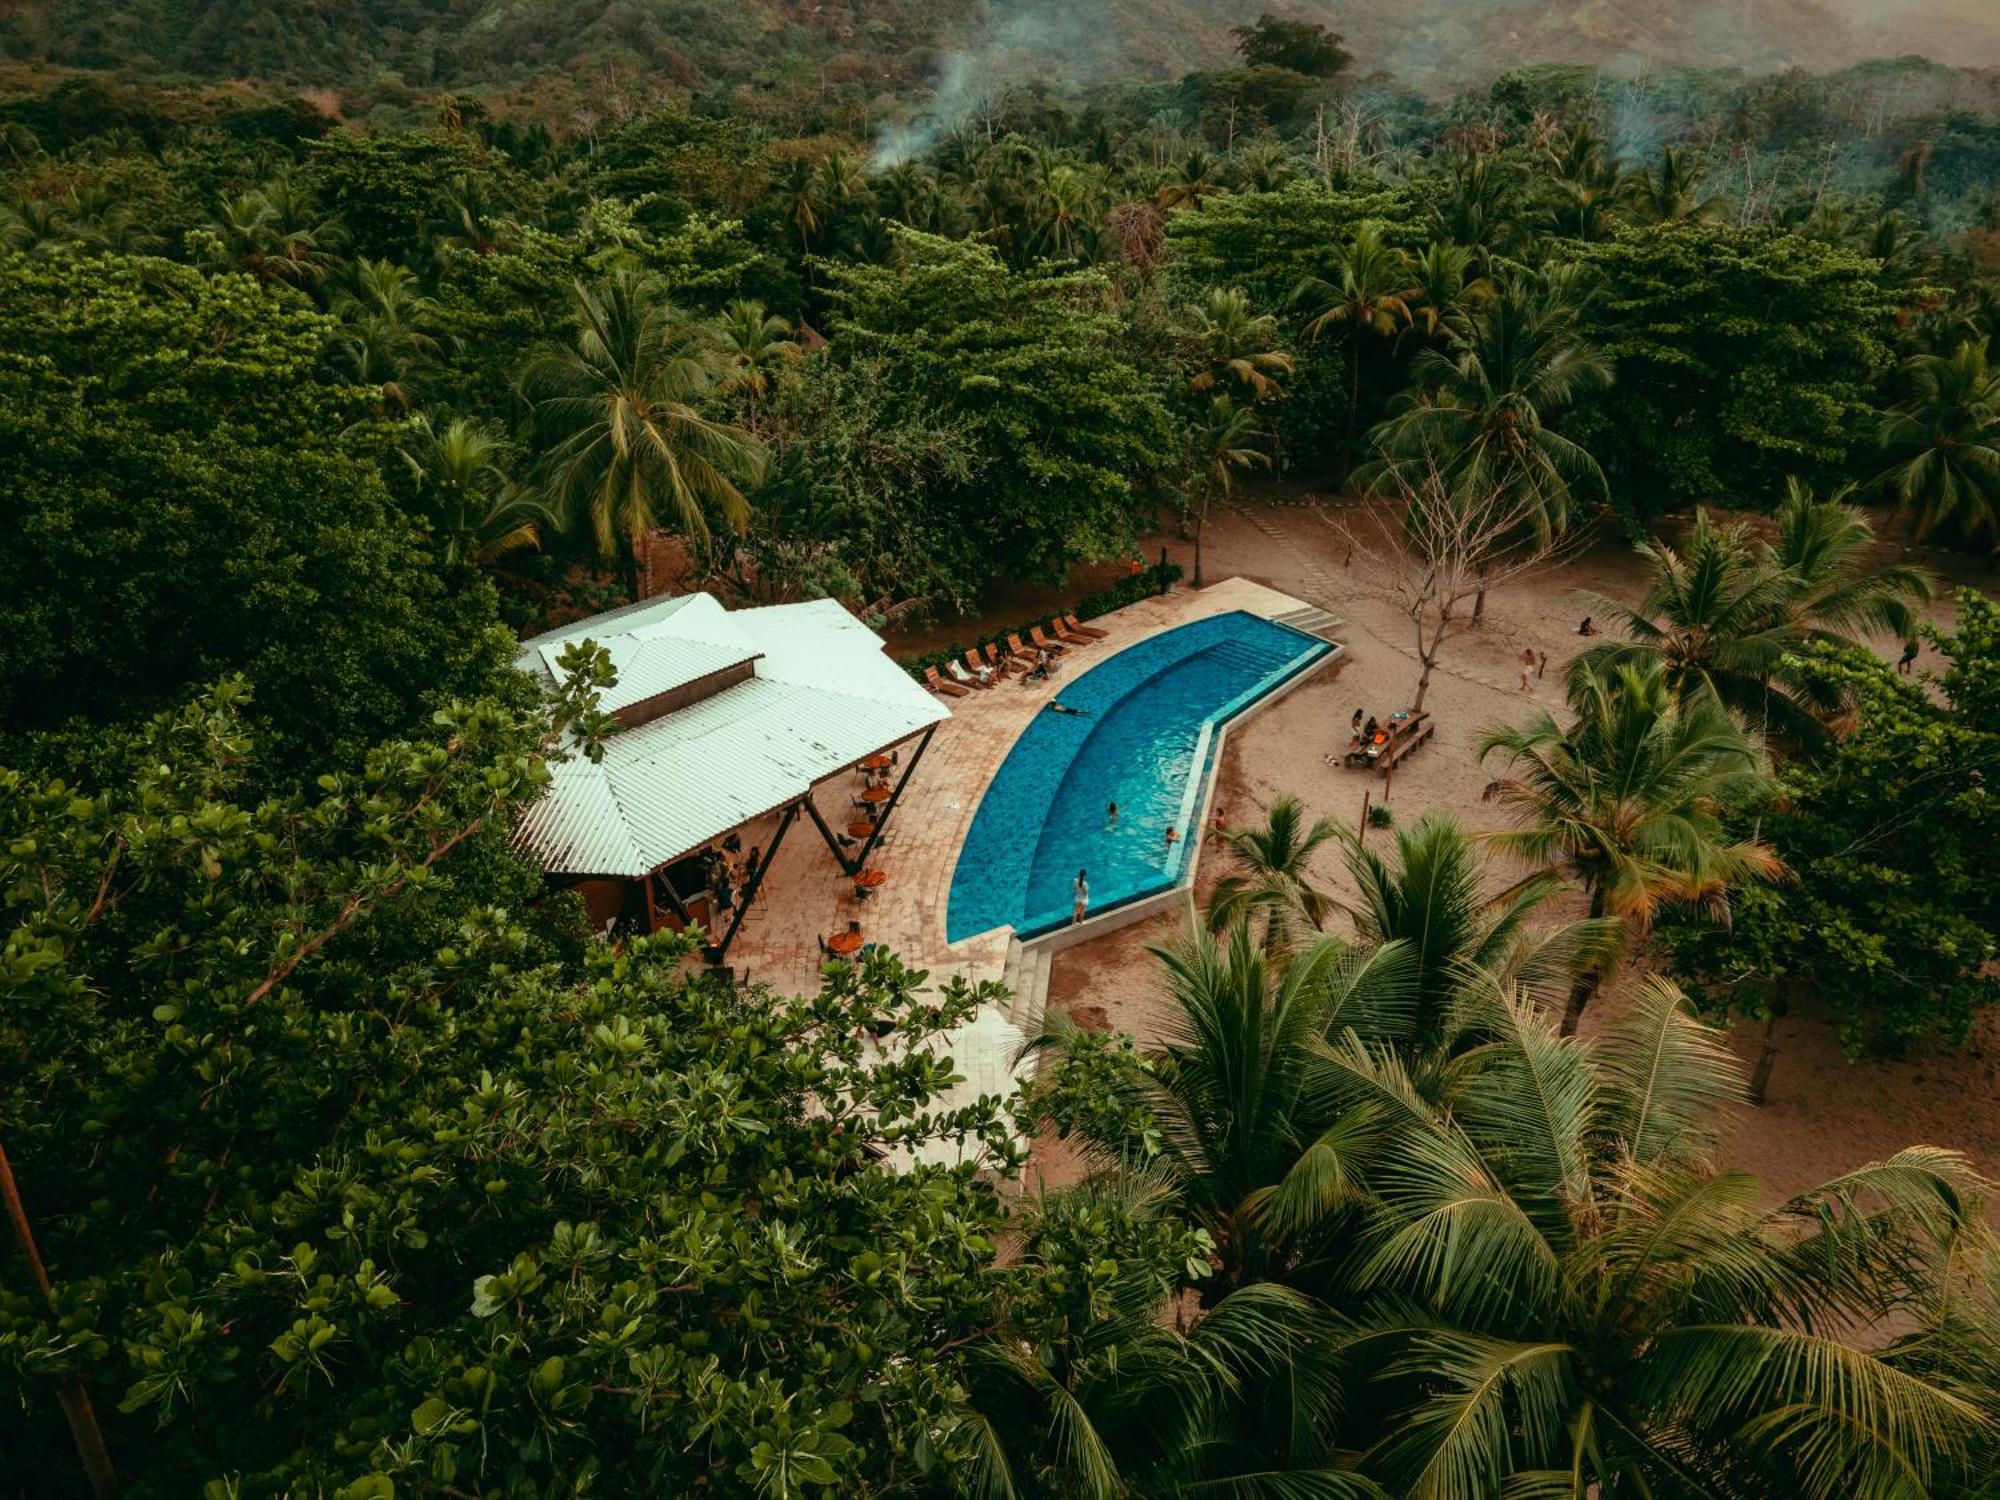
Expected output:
(1146, 741)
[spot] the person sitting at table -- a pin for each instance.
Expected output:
(751, 861)
(1356, 729)
(1372, 733)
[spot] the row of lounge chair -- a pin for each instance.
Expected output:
(984, 669)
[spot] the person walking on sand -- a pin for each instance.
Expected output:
(1080, 894)
(1907, 659)
(1527, 671)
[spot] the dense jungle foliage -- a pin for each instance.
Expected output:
(353, 1167)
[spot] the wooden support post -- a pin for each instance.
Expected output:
(1361, 835)
(882, 818)
(716, 952)
(826, 833)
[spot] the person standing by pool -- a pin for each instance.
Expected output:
(1080, 902)
(1173, 834)
(1111, 816)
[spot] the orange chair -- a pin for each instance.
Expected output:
(1089, 632)
(1043, 641)
(1063, 633)
(946, 689)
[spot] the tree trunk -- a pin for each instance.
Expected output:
(1588, 982)
(1200, 525)
(70, 1394)
(1423, 686)
(1760, 1076)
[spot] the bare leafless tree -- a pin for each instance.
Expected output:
(1435, 545)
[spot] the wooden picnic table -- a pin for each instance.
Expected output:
(877, 794)
(1393, 740)
(877, 763)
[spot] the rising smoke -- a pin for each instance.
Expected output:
(1066, 44)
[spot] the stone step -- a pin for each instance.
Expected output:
(1030, 984)
(1312, 620)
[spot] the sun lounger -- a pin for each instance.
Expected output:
(992, 672)
(967, 679)
(1088, 632)
(946, 689)
(1006, 661)
(1043, 641)
(1026, 653)
(1063, 633)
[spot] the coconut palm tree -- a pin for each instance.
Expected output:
(478, 515)
(1486, 405)
(1727, 614)
(1941, 445)
(1271, 877)
(1553, 1293)
(626, 443)
(1448, 293)
(276, 235)
(756, 349)
(1197, 176)
(1227, 440)
(1236, 347)
(1669, 192)
(384, 339)
(1238, 1086)
(1431, 897)
(1629, 800)
(1369, 293)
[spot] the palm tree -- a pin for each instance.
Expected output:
(1448, 292)
(1227, 440)
(1195, 177)
(1263, 167)
(626, 442)
(1942, 444)
(477, 514)
(1429, 897)
(1670, 192)
(756, 349)
(1369, 292)
(1630, 800)
(383, 341)
(1486, 406)
(1272, 876)
(275, 234)
(1065, 211)
(1727, 615)
(1554, 1294)
(1236, 346)
(1238, 1088)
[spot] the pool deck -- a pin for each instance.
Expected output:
(805, 896)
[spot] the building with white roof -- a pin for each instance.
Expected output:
(727, 717)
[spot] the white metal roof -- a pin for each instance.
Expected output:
(656, 645)
(822, 696)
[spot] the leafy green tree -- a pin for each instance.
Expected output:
(1631, 801)
(1708, 405)
(185, 497)
(757, 350)
(1892, 922)
(1033, 370)
(1227, 440)
(627, 446)
(1941, 445)
(384, 190)
(1727, 613)
(351, 1173)
(1299, 46)
(1553, 1292)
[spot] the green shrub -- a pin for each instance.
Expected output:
(1156, 579)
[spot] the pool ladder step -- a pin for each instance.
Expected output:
(1312, 620)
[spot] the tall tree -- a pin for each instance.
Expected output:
(1227, 440)
(626, 443)
(1271, 877)
(1726, 613)
(1367, 292)
(1941, 445)
(1631, 800)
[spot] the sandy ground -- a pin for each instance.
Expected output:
(1824, 1114)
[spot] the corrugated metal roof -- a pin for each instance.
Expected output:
(823, 696)
(656, 646)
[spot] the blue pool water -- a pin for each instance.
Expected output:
(1147, 743)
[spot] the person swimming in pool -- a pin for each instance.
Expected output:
(1111, 816)
(1056, 707)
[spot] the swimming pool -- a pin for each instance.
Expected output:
(1146, 741)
